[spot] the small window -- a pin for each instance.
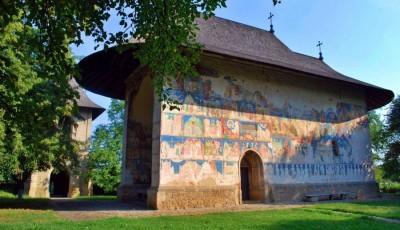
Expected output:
(335, 148)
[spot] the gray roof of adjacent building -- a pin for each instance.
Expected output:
(85, 102)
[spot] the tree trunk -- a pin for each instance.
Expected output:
(21, 184)
(20, 193)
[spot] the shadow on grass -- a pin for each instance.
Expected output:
(273, 219)
(380, 208)
(102, 203)
(96, 198)
(385, 203)
(95, 205)
(357, 223)
(26, 203)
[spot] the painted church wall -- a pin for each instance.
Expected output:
(139, 136)
(291, 123)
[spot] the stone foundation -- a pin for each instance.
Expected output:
(131, 193)
(296, 192)
(169, 198)
(192, 197)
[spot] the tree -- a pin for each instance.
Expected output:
(165, 25)
(393, 118)
(379, 137)
(36, 64)
(36, 104)
(105, 150)
(391, 161)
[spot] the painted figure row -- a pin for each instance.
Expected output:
(202, 94)
(209, 173)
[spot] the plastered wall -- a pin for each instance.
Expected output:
(38, 184)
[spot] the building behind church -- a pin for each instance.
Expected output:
(260, 123)
(68, 182)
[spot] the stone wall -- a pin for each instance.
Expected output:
(193, 197)
(38, 184)
(79, 184)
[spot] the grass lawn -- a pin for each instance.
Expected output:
(273, 219)
(6, 195)
(388, 208)
(94, 198)
(37, 214)
(26, 203)
(10, 201)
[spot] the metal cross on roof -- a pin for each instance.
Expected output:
(271, 26)
(320, 50)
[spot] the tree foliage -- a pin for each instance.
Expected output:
(391, 161)
(35, 102)
(36, 64)
(165, 25)
(393, 118)
(105, 151)
(378, 134)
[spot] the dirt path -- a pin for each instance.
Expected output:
(86, 210)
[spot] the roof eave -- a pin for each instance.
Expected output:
(104, 73)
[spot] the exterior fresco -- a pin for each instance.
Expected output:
(223, 117)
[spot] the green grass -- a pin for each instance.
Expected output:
(94, 198)
(21, 214)
(26, 216)
(9, 200)
(387, 209)
(6, 195)
(272, 219)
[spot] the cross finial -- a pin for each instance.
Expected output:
(271, 26)
(320, 50)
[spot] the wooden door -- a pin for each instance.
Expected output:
(244, 178)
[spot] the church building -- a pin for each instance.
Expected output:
(261, 123)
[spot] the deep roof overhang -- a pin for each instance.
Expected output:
(105, 72)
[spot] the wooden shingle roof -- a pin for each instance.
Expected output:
(104, 72)
(84, 101)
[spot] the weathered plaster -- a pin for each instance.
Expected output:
(236, 107)
(291, 123)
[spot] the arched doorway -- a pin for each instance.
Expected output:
(252, 177)
(59, 184)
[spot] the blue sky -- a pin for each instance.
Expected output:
(361, 38)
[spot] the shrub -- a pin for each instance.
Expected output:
(389, 187)
(6, 195)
